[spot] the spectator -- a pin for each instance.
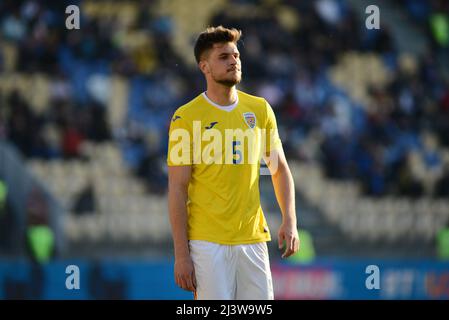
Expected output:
(39, 235)
(442, 185)
(439, 25)
(5, 217)
(72, 139)
(443, 242)
(85, 202)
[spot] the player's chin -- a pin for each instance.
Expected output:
(236, 80)
(232, 81)
(238, 77)
(229, 82)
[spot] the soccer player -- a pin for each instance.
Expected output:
(216, 142)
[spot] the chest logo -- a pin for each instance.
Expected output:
(250, 119)
(212, 124)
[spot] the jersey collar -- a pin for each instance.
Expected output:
(228, 108)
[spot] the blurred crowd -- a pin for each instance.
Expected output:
(59, 131)
(395, 146)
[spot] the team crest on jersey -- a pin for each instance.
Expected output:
(250, 119)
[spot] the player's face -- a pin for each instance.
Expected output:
(224, 65)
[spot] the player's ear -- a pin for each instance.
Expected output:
(204, 66)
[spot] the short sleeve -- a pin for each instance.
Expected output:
(272, 140)
(179, 151)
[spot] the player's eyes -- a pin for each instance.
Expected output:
(237, 56)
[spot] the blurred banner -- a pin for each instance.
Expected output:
(350, 280)
(153, 280)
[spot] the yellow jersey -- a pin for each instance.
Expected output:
(224, 146)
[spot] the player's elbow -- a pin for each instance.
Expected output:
(281, 170)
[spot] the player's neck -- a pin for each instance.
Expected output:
(222, 95)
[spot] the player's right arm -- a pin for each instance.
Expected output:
(178, 182)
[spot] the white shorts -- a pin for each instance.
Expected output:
(231, 272)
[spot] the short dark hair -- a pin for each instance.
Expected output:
(213, 35)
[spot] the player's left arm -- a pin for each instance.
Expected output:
(284, 189)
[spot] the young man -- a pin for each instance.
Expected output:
(216, 142)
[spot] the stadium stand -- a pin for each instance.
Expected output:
(365, 125)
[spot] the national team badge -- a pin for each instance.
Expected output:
(250, 119)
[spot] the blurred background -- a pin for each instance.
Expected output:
(84, 115)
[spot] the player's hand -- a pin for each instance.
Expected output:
(185, 274)
(288, 233)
